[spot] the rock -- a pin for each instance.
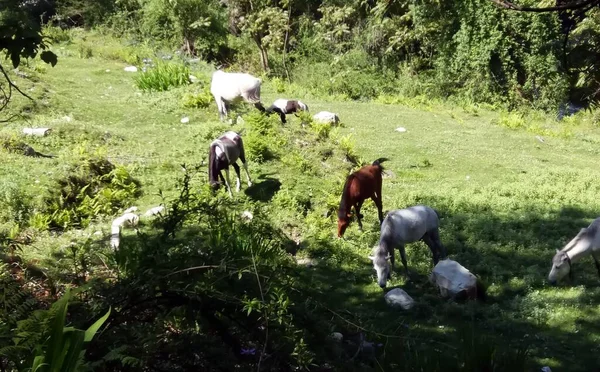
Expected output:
(130, 210)
(540, 138)
(452, 279)
(401, 129)
(193, 79)
(398, 298)
(154, 211)
(67, 118)
(185, 120)
(546, 369)
(308, 262)
(107, 70)
(247, 215)
(37, 131)
(130, 69)
(326, 117)
(337, 337)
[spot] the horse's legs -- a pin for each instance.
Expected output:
(377, 200)
(403, 257)
(428, 239)
(359, 216)
(227, 183)
(596, 262)
(237, 173)
(282, 116)
(435, 237)
(243, 160)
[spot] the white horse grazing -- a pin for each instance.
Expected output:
(228, 87)
(585, 243)
(403, 226)
(223, 152)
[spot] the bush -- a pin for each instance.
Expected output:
(163, 77)
(201, 99)
(91, 188)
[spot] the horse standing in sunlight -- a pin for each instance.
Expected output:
(284, 107)
(403, 226)
(363, 184)
(228, 87)
(585, 243)
(223, 152)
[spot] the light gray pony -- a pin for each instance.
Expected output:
(228, 87)
(585, 243)
(403, 226)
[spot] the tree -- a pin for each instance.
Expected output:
(20, 37)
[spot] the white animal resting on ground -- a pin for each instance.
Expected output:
(585, 243)
(286, 106)
(228, 87)
(326, 117)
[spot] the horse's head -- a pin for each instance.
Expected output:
(561, 266)
(383, 268)
(343, 222)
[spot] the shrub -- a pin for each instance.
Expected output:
(84, 51)
(91, 188)
(201, 99)
(163, 77)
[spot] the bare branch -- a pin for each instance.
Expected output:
(572, 6)
(10, 83)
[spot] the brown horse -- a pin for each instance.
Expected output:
(363, 184)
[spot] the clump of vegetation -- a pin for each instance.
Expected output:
(202, 99)
(163, 76)
(90, 188)
(262, 139)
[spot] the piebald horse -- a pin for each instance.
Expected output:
(228, 87)
(585, 243)
(403, 226)
(284, 107)
(223, 152)
(363, 184)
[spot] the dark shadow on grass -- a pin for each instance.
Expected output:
(264, 189)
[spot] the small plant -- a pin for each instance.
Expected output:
(512, 121)
(163, 77)
(279, 85)
(348, 147)
(201, 99)
(257, 148)
(84, 51)
(322, 130)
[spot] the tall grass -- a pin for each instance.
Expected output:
(163, 77)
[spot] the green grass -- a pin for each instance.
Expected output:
(507, 200)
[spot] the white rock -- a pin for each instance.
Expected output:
(130, 210)
(67, 118)
(130, 69)
(247, 215)
(452, 278)
(540, 138)
(127, 219)
(326, 117)
(193, 79)
(398, 298)
(401, 129)
(185, 120)
(546, 369)
(107, 70)
(154, 211)
(37, 131)
(308, 262)
(337, 337)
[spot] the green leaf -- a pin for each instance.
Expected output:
(91, 332)
(49, 57)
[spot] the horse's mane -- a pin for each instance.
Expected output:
(342, 211)
(212, 164)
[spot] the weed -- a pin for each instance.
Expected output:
(163, 77)
(201, 99)
(84, 51)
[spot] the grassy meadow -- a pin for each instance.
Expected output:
(507, 198)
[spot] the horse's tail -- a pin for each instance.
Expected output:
(379, 161)
(343, 210)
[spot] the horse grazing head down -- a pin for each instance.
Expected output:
(382, 266)
(561, 267)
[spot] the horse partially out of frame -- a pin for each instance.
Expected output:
(403, 226)
(585, 243)
(363, 184)
(229, 87)
(223, 152)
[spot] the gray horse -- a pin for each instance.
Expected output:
(585, 243)
(403, 226)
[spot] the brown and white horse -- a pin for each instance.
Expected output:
(284, 107)
(223, 152)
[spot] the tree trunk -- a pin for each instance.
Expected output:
(264, 57)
